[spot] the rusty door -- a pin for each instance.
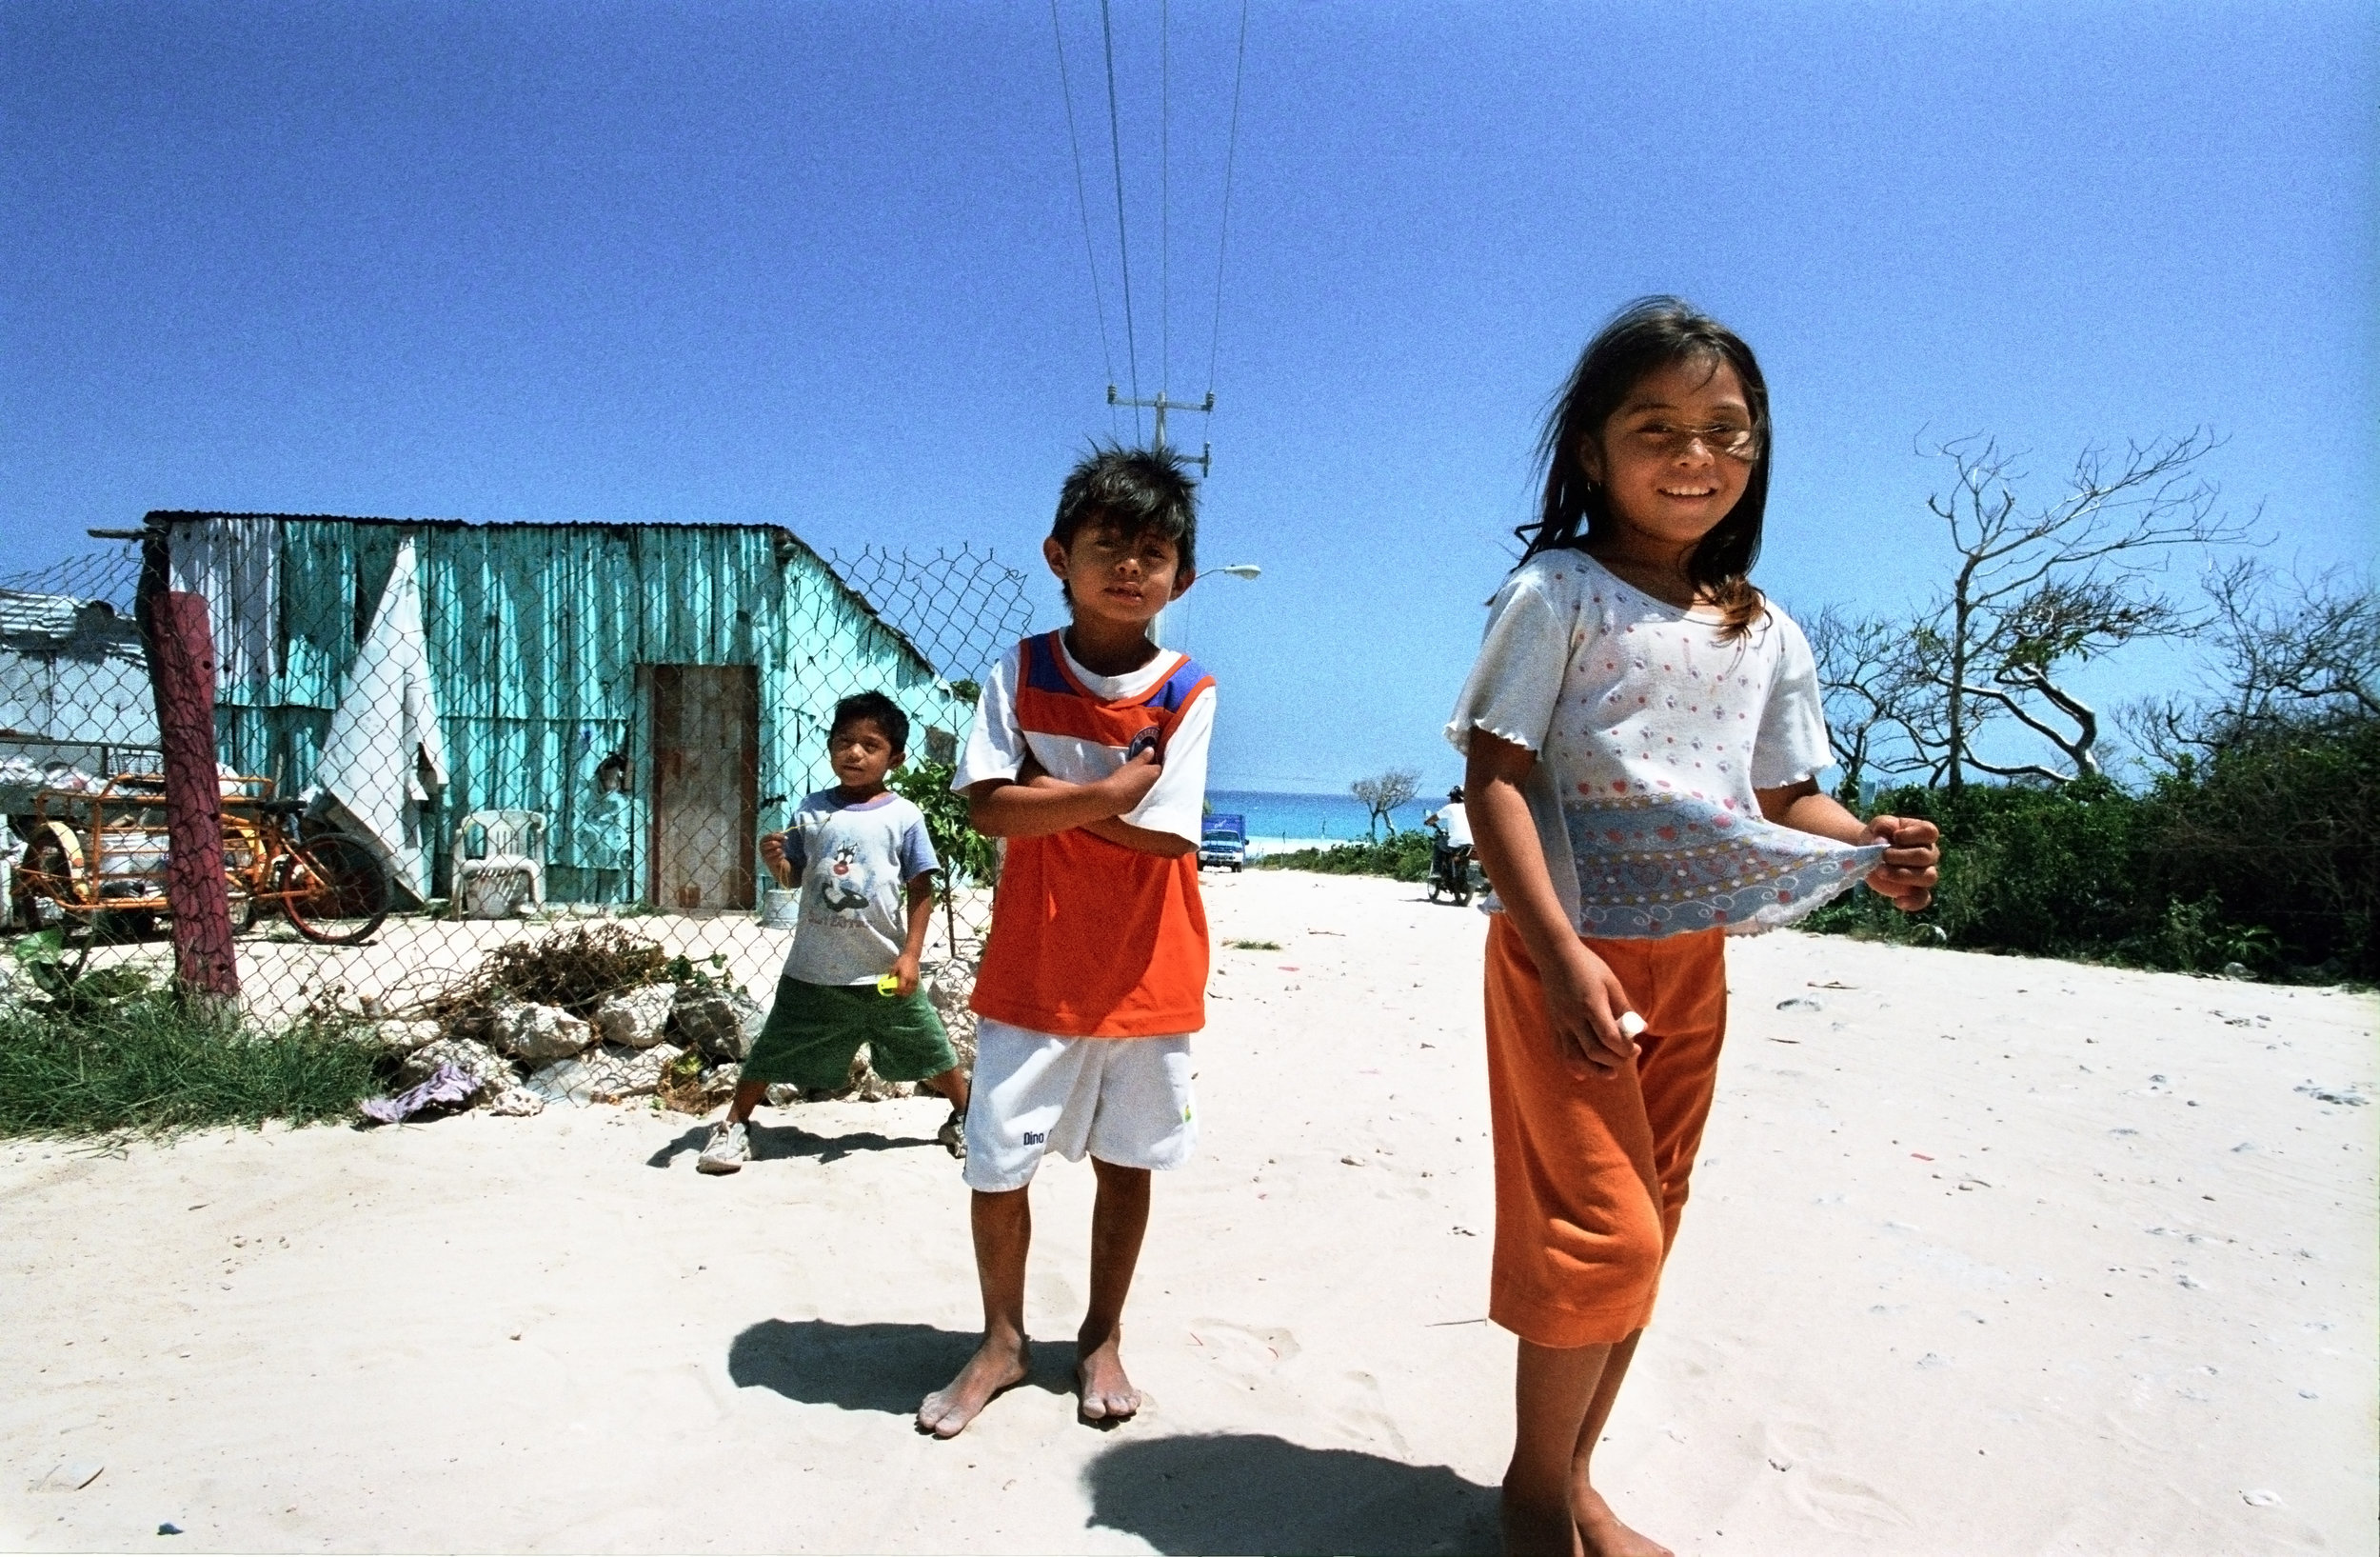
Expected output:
(707, 742)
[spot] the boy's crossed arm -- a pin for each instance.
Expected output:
(1034, 804)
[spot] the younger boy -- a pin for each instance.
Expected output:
(1088, 754)
(852, 975)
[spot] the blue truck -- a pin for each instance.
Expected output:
(1223, 840)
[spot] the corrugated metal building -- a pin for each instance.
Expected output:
(72, 671)
(655, 692)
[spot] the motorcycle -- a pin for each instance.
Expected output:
(1452, 869)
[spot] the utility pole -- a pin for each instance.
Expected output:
(1205, 457)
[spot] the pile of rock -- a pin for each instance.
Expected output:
(682, 1042)
(526, 1056)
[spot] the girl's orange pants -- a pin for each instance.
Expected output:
(1590, 1172)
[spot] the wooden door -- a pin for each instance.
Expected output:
(706, 743)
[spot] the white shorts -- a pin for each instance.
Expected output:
(1125, 1101)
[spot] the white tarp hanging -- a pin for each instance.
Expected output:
(235, 564)
(383, 738)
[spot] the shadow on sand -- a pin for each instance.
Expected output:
(868, 1368)
(772, 1142)
(1224, 1492)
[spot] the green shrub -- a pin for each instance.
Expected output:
(1402, 855)
(2266, 856)
(2281, 832)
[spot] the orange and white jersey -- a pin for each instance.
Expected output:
(1090, 939)
(1080, 726)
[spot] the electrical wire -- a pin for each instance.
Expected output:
(1115, 153)
(1082, 203)
(1165, 195)
(1222, 237)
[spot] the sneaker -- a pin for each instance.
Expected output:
(953, 1135)
(727, 1150)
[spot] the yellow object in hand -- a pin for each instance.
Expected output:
(888, 985)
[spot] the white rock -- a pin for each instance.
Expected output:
(635, 1020)
(722, 1023)
(407, 1036)
(476, 1060)
(948, 990)
(604, 1075)
(537, 1034)
(517, 1102)
(571, 1081)
(631, 1073)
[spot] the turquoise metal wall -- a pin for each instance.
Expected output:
(536, 633)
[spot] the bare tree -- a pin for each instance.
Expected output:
(2042, 588)
(1875, 696)
(1384, 792)
(2290, 653)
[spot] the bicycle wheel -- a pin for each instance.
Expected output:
(338, 892)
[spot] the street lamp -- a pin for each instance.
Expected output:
(1237, 569)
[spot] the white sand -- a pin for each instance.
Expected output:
(1986, 1256)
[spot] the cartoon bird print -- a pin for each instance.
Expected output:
(842, 891)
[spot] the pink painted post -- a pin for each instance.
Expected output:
(182, 667)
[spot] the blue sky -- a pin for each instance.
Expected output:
(823, 266)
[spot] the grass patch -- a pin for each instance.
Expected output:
(139, 1061)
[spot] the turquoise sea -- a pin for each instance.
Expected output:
(1279, 820)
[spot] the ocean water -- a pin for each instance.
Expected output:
(1286, 821)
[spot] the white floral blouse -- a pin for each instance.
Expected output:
(1652, 731)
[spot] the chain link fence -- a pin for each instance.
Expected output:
(495, 792)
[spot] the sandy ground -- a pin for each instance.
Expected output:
(1986, 1256)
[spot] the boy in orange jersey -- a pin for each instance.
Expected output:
(1089, 756)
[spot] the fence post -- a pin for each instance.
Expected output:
(182, 671)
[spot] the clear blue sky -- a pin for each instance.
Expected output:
(823, 266)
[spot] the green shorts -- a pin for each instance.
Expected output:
(814, 1031)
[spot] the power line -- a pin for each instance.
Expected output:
(1165, 194)
(1115, 153)
(1083, 198)
(1222, 237)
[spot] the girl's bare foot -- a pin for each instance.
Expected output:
(1601, 1532)
(1107, 1394)
(994, 1368)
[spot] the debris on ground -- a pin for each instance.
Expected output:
(449, 1087)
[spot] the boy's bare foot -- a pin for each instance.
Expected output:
(946, 1413)
(1601, 1534)
(1107, 1394)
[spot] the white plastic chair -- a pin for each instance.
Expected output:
(511, 844)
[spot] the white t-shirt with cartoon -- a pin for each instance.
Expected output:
(1652, 732)
(854, 862)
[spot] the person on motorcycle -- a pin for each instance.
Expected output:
(1450, 844)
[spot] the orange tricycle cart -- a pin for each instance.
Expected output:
(95, 863)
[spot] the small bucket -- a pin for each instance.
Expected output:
(780, 906)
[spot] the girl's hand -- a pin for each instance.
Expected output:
(1584, 999)
(1913, 857)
